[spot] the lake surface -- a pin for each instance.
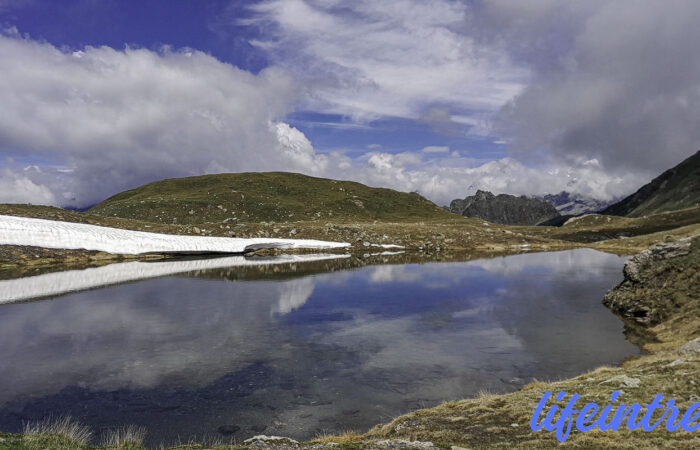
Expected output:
(224, 354)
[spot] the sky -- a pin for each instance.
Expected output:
(441, 97)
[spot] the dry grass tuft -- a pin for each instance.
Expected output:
(346, 437)
(130, 436)
(64, 429)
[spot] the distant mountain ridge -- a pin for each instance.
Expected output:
(567, 203)
(676, 188)
(504, 209)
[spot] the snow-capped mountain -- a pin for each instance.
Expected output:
(573, 204)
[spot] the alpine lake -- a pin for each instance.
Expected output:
(298, 346)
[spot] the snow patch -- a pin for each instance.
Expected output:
(387, 245)
(66, 235)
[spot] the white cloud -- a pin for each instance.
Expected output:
(19, 188)
(369, 59)
(118, 119)
(443, 182)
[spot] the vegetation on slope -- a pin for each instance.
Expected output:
(265, 197)
(677, 188)
(596, 227)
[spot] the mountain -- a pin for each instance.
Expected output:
(677, 188)
(573, 204)
(265, 197)
(504, 209)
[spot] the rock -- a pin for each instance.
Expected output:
(263, 438)
(656, 253)
(228, 430)
(240, 226)
(401, 444)
(675, 363)
(196, 230)
(624, 381)
(692, 348)
(230, 220)
(626, 300)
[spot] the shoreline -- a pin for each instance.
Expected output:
(501, 421)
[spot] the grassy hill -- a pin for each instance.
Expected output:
(265, 197)
(677, 188)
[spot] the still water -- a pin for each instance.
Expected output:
(300, 352)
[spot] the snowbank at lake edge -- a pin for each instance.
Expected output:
(78, 236)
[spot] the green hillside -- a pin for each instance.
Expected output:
(265, 197)
(675, 189)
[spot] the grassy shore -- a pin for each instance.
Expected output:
(449, 233)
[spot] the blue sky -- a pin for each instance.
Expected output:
(441, 96)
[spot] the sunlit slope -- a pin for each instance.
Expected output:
(269, 196)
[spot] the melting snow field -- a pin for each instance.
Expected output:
(66, 235)
(53, 284)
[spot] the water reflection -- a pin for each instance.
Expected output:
(187, 356)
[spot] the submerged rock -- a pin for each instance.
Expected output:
(228, 430)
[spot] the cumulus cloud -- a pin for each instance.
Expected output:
(118, 119)
(449, 178)
(369, 59)
(19, 188)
